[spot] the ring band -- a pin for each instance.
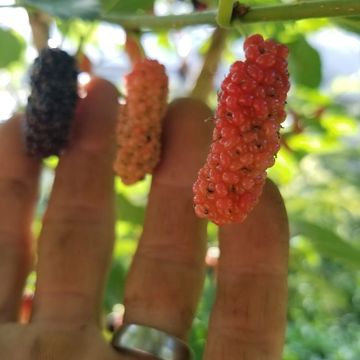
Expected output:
(150, 342)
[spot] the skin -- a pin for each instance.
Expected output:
(166, 277)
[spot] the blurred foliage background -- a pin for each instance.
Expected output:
(317, 169)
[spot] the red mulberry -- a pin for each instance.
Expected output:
(140, 121)
(246, 135)
(51, 104)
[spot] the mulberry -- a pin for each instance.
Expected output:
(140, 121)
(51, 104)
(246, 135)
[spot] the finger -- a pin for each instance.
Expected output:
(78, 228)
(249, 317)
(167, 273)
(18, 189)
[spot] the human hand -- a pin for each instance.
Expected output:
(165, 280)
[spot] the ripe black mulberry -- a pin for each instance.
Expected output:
(51, 104)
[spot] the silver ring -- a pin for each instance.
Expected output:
(150, 343)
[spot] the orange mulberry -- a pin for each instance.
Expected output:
(140, 121)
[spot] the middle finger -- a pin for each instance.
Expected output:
(167, 273)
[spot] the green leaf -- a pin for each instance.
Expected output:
(304, 63)
(77, 29)
(344, 164)
(328, 242)
(130, 212)
(115, 285)
(129, 7)
(12, 45)
(313, 143)
(164, 40)
(339, 124)
(286, 167)
(86, 9)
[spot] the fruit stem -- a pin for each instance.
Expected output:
(224, 14)
(279, 12)
(133, 46)
(204, 83)
(40, 25)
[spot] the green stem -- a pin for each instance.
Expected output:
(224, 14)
(133, 47)
(281, 12)
(40, 25)
(133, 22)
(304, 10)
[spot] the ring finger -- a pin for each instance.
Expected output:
(249, 316)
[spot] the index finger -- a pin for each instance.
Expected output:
(78, 228)
(249, 317)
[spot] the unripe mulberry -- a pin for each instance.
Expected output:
(246, 135)
(140, 121)
(51, 104)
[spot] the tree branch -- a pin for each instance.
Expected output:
(281, 12)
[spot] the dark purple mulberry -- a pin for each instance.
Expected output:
(52, 103)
